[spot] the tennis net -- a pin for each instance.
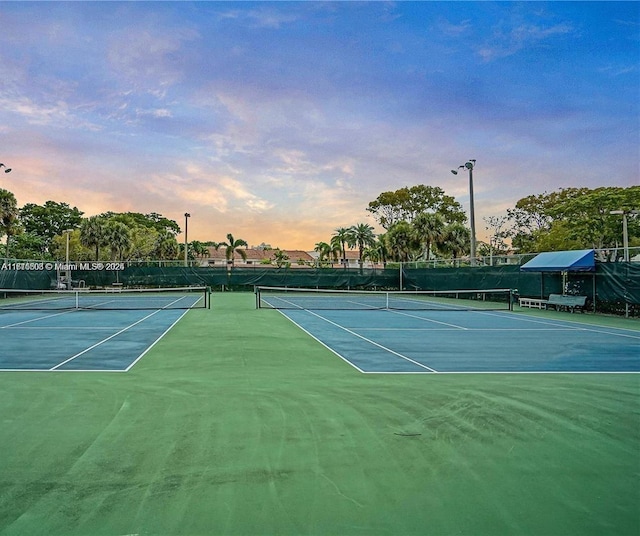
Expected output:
(436, 300)
(105, 299)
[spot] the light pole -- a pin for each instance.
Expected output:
(7, 169)
(67, 271)
(625, 230)
(186, 242)
(470, 165)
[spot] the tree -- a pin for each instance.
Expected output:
(323, 249)
(456, 239)
(402, 242)
(92, 233)
(152, 220)
(166, 246)
(573, 218)
(117, 237)
(28, 246)
(379, 250)
(280, 258)
(9, 224)
(429, 229)
(49, 220)
(143, 243)
(77, 251)
(362, 236)
(495, 225)
(199, 249)
(406, 203)
(232, 245)
(340, 239)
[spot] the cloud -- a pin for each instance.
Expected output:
(239, 191)
(524, 36)
(149, 58)
(263, 17)
(454, 30)
(156, 112)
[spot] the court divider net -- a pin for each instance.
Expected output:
(447, 300)
(105, 299)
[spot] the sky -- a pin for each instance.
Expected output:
(278, 122)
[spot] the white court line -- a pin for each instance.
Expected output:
(104, 340)
(578, 326)
(557, 325)
(72, 328)
(156, 341)
(372, 342)
(512, 372)
(35, 320)
(318, 340)
(427, 319)
(469, 329)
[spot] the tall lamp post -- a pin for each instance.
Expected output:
(186, 242)
(67, 270)
(625, 230)
(470, 165)
(6, 170)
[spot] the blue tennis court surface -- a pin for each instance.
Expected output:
(80, 340)
(391, 341)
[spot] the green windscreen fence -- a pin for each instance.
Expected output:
(613, 287)
(618, 288)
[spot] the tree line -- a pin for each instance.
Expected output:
(420, 223)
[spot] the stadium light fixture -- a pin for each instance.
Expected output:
(470, 164)
(625, 230)
(7, 169)
(186, 243)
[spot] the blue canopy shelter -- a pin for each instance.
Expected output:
(582, 260)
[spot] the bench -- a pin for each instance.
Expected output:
(569, 303)
(535, 303)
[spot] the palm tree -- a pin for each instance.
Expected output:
(456, 239)
(232, 246)
(335, 249)
(199, 249)
(377, 252)
(8, 216)
(402, 242)
(92, 233)
(429, 227)
(340, 238)
(372, 254)
(280, 257)
(323, 249)
(118, 237)
(362, 236)
(166, 246)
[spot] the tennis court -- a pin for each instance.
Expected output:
(238, 423)
(87, 330)
(456, 332)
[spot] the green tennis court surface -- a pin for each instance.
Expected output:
(237, 422)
